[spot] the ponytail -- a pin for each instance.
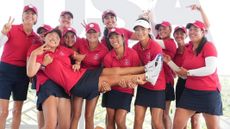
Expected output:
(108, 45)
(201, 45)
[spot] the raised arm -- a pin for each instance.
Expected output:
(6, 28)
(203, 15)
(148, 14)
(32, 65)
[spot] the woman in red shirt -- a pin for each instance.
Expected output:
(83, 83)
(109, 18)
(16, 39)
(202, 87)
(149, 95)
(118, 100)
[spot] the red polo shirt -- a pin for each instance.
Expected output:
(60, 70)
(179, 57)
(15, 49)
(93, 58)
(41, 78)
(170, 49)
(147, 55)
(129, 59)
(191, 61)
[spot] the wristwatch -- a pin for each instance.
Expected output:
(188, 73)
(43, 67)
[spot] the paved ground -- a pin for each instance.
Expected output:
(225, 124)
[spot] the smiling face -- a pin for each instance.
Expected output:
(52, 40)
(141, 33)
(29, 17)
(110, 21)
(116, 40)
(179, 36)
(164, 31)
(92, 36)
(69, 39)
(65, 20)
(195, 34)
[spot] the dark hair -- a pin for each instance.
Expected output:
(110, 14)
(56, 31)
(201, 45)
(150, 36)
(108, 45)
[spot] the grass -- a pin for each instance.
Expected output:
(225, 82)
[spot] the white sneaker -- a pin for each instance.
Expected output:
(153, 68)
(153, 62)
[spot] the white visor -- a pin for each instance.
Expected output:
(141, 23)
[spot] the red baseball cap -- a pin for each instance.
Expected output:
(66, 12)
(30, 7)
(69, 29)
(106, 12)
(163, 23)
(44, 26)
(180, 28)
(115, 30)
(197, 24)
(92, 26)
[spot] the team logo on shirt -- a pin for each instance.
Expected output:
(61, 53)
(127, 62)
(96, 56)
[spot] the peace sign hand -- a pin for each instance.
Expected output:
(84, 23)
(194, 7)
(40, 50)
(6, 28)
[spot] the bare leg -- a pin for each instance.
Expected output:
(17, 110)
(120, 118)
(110, 118)
(181, 118)
(77, 107)
(166, 118)
(49, 107)
(4, 105)
(157, 118)
(89, 112)
(98, 127)
(64, 112)
(139, 116)
(122, 71)
(115, 79)
(212, 121)
(40, 118)
(195, 121)
(185, 127)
